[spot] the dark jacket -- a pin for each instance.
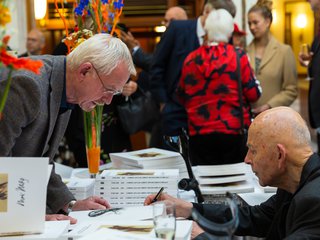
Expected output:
(284, 215)
(33, 124)
(314, 89)
(176, 43)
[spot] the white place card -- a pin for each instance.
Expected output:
(23, 190)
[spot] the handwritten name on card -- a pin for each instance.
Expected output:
(21, 189)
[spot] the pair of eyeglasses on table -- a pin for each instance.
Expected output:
(96, 213)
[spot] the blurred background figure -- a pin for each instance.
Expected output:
(180, 38)
(209, 92)
(140, 58)
(312, 60)
(238, 37)
(273, 62)
(35, 43)
(143, 60)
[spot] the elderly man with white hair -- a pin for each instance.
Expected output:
(39, 106)
(209, 91)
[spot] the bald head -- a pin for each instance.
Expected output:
(278, 147)
(281, 125)
(35, 42)
(174, 13)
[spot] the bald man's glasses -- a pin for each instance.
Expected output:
(105, 89)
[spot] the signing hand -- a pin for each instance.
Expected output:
(183, 208)
(91, 203)
(60, 217)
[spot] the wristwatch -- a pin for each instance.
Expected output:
(70, 206)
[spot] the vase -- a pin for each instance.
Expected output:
(92, 131)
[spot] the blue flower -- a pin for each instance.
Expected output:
(118, 5)
(78, 10)
(104, 1)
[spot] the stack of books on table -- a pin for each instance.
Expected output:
(81, 188)
(151, 158)
(123, 188)
(219, 179)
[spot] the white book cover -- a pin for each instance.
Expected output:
(139, 173)
(78, 184)
(222, 179)
(239, 187)
(144, 156)
(221, 170)
(23, 190)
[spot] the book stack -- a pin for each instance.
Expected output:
(151, 158)
(124, 188)
(219, 179)
(81, 188)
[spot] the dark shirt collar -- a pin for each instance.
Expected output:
(64, 105)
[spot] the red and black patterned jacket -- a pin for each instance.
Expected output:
(208, 89)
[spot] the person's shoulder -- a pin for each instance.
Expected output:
(182, 23)
(280, 45)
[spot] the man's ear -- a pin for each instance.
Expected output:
(85, 68)
(281, 156)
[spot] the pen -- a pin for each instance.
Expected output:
(157, 196)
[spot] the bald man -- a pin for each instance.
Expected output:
(174, 13)
(35, 43)
(281, 156)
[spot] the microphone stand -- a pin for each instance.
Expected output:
(219, 230)
(181, 144)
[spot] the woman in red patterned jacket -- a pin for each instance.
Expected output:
(208, 89)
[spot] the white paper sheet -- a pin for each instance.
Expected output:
(53, 230)
(23, 191)
(132, 213)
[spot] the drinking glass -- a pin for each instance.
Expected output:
(164, 220)
(306, 57)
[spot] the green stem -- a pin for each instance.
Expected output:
(6, 91)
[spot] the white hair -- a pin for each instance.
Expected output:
(104, 52)
(219, 26)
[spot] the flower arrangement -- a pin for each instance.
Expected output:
(104, 15)
(7, 60)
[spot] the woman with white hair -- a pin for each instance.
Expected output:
(208, 89)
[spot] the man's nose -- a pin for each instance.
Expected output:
(247, 159)
(107, 99)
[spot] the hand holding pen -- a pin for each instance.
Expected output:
(157, 196)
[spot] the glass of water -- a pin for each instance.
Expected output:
(164, 220)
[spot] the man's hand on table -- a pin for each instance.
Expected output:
(60, 217)
(183, 208)
(91, 203)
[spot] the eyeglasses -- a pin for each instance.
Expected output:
(106, 90)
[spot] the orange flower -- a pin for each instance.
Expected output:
(20, 63)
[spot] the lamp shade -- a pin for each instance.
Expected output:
(40, 8)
